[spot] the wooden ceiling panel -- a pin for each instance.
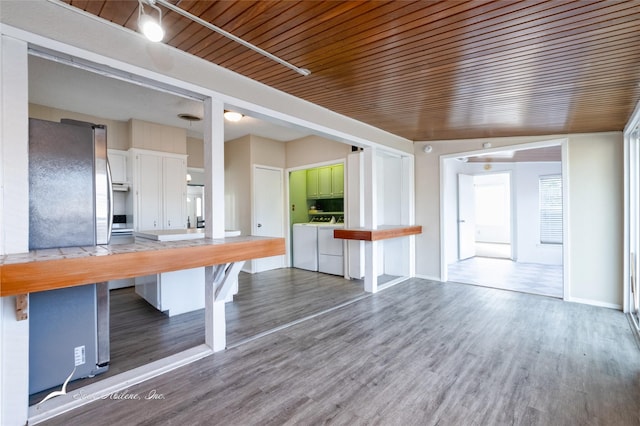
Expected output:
(429, 70)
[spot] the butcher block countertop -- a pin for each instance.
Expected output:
(40, 270)
(383, 232)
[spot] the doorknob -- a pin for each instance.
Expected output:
(461, 221)
(259, 225)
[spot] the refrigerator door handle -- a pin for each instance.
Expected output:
(109, 201)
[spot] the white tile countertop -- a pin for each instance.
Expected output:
(178, 234)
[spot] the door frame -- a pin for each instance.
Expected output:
(462, 251)
(287, 200)
(631, 210)
(254, 219)
(446, 185)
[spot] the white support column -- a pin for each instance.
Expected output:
(219, 282)
(370, 219)
(214, 168)
(408, 207)
(215, 327)
(215, 321)
(14, 224)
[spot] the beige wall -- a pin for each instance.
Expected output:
(237, 184)
(117, 131)
(595, 185)
(195, 150)
(267, 152)
(314, 149)
(157, 137)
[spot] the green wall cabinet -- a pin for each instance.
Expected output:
(325, 182)
(312, 183)
(337, 181)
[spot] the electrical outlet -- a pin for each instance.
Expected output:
(79, 355)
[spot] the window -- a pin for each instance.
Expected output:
(551, 209)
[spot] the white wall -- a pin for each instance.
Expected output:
(529, 249)
(594, 187)
(596, 217)
(393, 253)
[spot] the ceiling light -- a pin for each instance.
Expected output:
(151, 28)
(427, 149)
(232, 116)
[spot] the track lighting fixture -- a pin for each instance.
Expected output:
(150, 27)
(174, 8)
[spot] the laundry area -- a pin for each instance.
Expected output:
(317, 209)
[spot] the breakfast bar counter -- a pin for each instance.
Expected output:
(49, 269)
(383, 232)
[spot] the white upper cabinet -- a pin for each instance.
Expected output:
(159, 190)
(118, 162)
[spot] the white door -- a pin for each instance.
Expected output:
(466, 217)
(268, 212)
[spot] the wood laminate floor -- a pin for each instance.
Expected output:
(534, 278)
(266, 301)
(418, 353)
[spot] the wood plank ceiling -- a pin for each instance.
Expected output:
(429, 70)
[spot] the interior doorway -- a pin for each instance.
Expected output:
(493, 222)
(268, 212)
(503, 221)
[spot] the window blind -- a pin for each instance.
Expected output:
(551, 209)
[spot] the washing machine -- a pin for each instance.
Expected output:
(305, 246)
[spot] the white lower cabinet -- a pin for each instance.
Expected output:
(173, 292)
(176, 292)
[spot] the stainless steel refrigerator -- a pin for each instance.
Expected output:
(69, 206)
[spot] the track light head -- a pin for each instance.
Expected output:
(150, 27)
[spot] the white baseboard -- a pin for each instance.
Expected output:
(427, 277)
(594, 303)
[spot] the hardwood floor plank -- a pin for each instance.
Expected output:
(417, 353)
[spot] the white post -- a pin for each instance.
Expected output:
(214, 168)
(215, 322)
(370, 219)
(14, 224)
